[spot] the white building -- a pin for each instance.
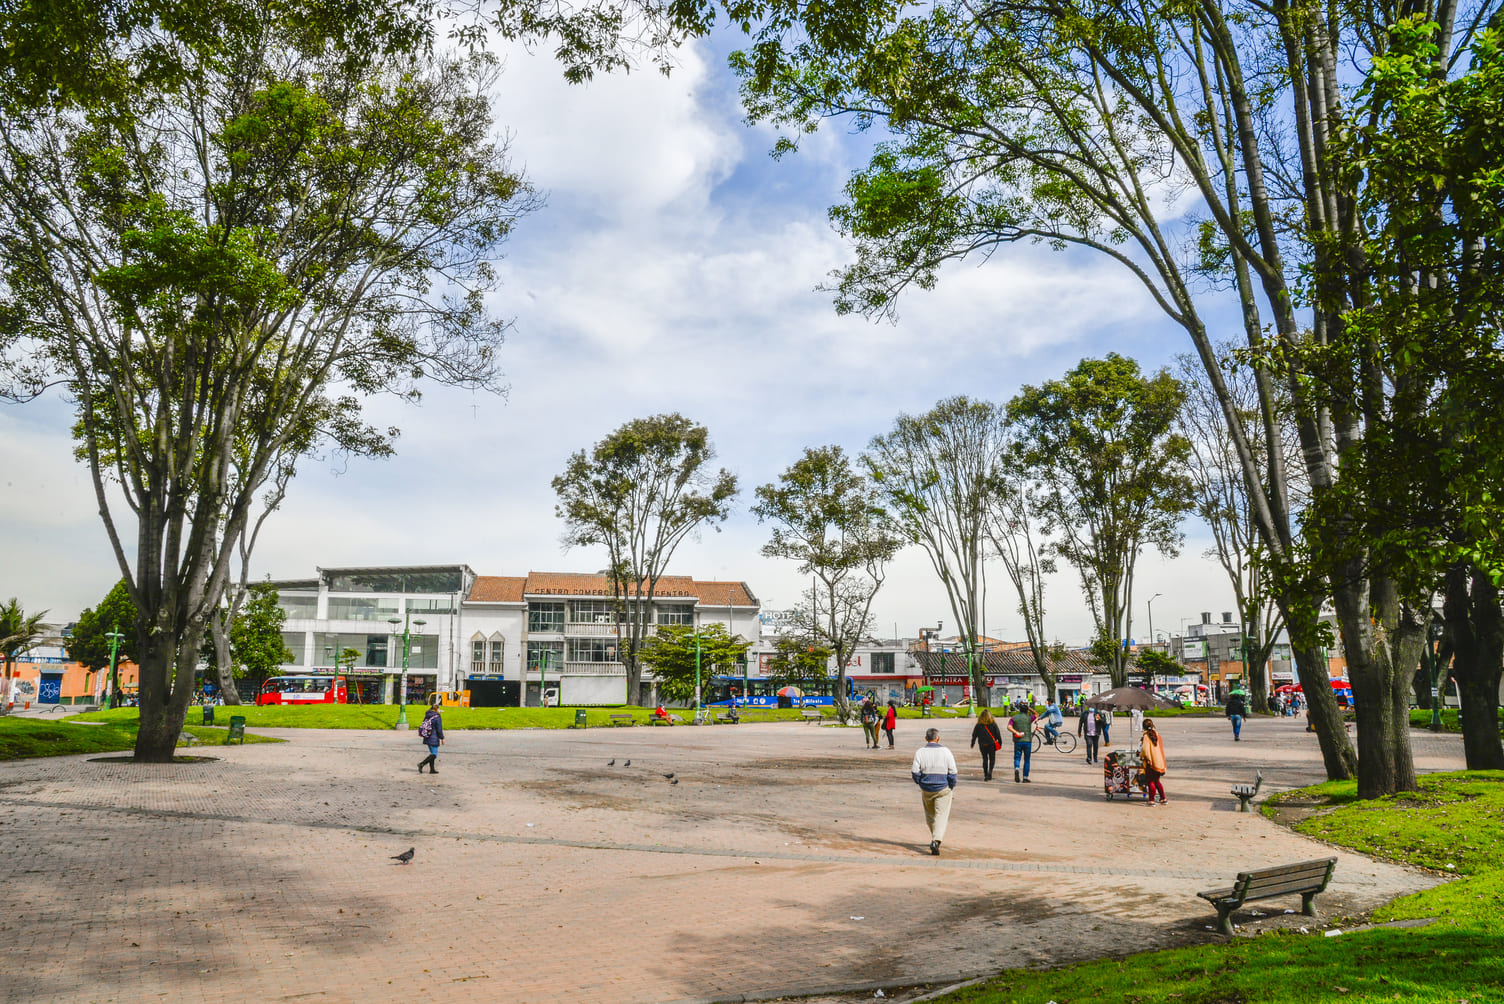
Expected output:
(503, 638)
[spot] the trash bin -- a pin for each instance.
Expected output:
(208, 714)
(785, 701)
(924, 711)
(579, 718)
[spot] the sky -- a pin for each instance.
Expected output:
(673, 268)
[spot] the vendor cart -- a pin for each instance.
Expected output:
(1122, 774)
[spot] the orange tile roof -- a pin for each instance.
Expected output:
(511, 589)
(497, 589)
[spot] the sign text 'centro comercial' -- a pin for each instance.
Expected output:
(559, 591)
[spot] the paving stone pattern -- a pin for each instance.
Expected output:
(787, 860)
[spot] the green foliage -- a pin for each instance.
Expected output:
(295, 208)
(827, 517)
(672, 654)
(256, 635)
(796, 659)
(1103, 443)
(639, 492)
(1156, 663)
(90, 645)
(19, 631)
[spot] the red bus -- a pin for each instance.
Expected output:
(303, 690)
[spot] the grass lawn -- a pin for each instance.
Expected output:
(1455, 820)
(1449, 721)
(32, 737)
(384, 716)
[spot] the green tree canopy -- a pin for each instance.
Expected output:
(90, 643)
(798, 659)
(256, 635)
(224, 260)
(1104, 444)
(639, 492)
(671, 653)
(827, 517)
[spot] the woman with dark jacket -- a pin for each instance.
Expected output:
(987, 737)
(432, 734)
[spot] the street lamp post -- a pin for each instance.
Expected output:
(1433, 658)
(114, 636)
(406, 654)
(1151, 616)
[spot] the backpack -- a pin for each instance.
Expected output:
(425, 731)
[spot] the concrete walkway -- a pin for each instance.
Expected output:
(788, 859)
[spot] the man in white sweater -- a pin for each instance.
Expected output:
(934, 771)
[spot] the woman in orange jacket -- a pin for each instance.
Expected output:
(1151, 750)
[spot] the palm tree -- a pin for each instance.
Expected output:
(18, 634)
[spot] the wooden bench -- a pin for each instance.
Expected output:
(1245, 792)
(237, 730)
(726, 719)
(1306, 878)
(621, 720)
(670, 720)
(810, 714)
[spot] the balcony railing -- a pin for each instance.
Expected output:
(591, 630)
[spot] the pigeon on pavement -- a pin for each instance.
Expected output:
(674, 781)
(669, 775)
(406, 856)
(627, 764)
(611, 762)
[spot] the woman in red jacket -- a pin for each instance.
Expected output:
(890, 721)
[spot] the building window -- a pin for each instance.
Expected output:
(536, 650)
(478, 656)
(294, 641)
(299, 608)
(882, 662)
(677, 615)
(545, 617)
(592, 612)
(439, 605)
(592, 650)
(360, 608)
(497, 646)
(375, 650)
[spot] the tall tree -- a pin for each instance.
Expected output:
(1431, 152)
(89, 644)
(1091, 126)
(1103, 442)
(680, 656)
(936, 474)
(19, 634)
(827, 517)
(1220, 497)
(222, 262)
(799, 658)
(256, 643)
(639, 492)
(1016, 528)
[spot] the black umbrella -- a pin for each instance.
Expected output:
(1128, 698)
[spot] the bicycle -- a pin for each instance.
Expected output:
(1065, 742)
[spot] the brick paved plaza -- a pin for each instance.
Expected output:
(787, 860)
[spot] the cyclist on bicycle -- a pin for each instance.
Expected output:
(1053, 719)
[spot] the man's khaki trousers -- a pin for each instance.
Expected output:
(937, 812)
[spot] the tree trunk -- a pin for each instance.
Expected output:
(1258, 683)
(224, 668)
(163, 707)
(1325, 717)
(1420, 685)
(1476, 626)
(1385, 765)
